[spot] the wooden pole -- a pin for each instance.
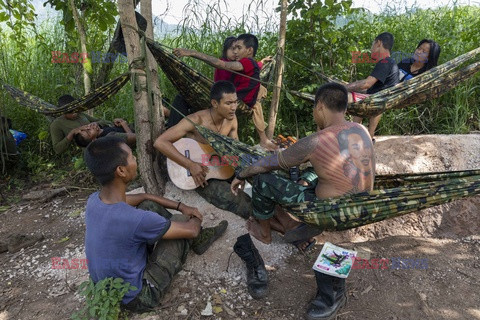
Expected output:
(157, 114)
(87, 82)
(147, 160)
(272, 119)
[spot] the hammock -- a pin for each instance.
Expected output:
(428, 85)
(393, 195)
(93, 99)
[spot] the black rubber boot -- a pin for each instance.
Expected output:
(257, 278)
(331, 296)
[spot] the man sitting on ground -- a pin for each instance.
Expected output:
(92, 131)
(119, 236)
(248, 86)
(221, 119)
(63, 128)
(383, 76)
(342, 156)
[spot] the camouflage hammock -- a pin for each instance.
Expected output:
(393, 195)
(426, 86)
(193, 85)
(91, 100)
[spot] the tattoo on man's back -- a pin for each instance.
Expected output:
(357, 149)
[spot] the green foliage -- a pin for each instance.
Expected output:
(103, 299)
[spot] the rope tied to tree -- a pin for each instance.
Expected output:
(141, 63)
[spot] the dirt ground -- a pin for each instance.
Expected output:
(447, 236)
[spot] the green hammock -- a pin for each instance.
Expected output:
(426, 86)
(93, 99)
(393, 195)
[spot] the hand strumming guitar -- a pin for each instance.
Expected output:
(198, 172)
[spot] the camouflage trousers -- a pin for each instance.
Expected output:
(270, 189)
(218, 193)
(164, 262)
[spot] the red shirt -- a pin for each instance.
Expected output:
(221, 74)
(247, 89)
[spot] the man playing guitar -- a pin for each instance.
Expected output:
(219, 118)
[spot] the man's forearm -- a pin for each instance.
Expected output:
(215, 62)
(360, 85)
(263, 165)
(61, 146)
(136, 199)
(168, 150)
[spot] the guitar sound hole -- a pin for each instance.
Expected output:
(215, 160)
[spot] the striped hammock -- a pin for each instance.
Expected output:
(426, 86)
(393, 195)
(91, 100)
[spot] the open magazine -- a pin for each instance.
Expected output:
(335, 261)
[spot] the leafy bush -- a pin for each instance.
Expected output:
(103, 299)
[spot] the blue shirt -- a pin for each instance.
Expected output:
(116, 241)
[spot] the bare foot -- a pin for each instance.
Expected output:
(255, 229)
(276, 225)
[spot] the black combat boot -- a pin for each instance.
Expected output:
(257, 278)
(331, 296)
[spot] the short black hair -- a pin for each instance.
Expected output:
(333, 95)
(221, 87)
(227, 43)
(387, 40)
(80, 140)
(65, 99)
(433, 54)
(250, 41)
(103, 156)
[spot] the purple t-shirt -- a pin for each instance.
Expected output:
(116, 241)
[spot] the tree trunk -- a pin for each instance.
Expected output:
(158, 117)
(144, 116)
(87, 82)
(106, 68)
(272, 119)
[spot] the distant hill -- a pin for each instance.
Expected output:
(162, 28)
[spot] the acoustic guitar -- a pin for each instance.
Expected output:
(219, 167)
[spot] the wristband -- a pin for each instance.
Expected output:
(237, 175)
(178, 206)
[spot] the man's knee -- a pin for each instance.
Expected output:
(149, 205)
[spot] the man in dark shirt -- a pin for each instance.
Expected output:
(384, 75)
(92, 131)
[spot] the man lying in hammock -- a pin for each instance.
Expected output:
(63, 128)
(93, 131)
(248, 89)
(384, 75)
(219, 118)
(342, 156)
